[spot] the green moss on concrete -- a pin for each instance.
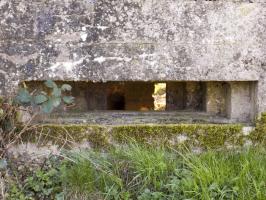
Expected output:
(258, 136)
(208, 136)
(214, 136)
(203, 135)
(68, 134)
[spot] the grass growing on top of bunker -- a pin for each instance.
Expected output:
(140, 172)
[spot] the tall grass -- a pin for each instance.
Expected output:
(143, 173)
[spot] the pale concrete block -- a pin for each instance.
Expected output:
(241, 101)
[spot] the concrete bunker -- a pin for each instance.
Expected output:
(233, 101)
(147, 41)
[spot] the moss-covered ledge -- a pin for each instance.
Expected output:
(173, 135)
(258, 136)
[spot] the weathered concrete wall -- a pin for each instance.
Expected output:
(103, 40)
(175, 96)
(188, 96)
(217, 98)
(240, 102)
(195, 93)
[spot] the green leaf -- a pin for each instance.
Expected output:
(57, 92)
(68, 99)
(39, 99)
(56, 101)
(23, 96)
(66, 87)
(50, 84)
(47, 107)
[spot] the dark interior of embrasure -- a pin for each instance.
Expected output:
(172, 102)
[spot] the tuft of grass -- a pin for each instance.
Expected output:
(90, 175)
(144, 167)
(226, 175)
(139, 172)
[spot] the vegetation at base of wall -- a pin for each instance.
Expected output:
(17, 112)
(8, 124)
(202, 135)
(258, 136)
(142, 172)
(31, 183)
(68, 135)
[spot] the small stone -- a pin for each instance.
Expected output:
(247, 130)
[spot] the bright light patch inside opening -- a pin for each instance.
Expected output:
(159, 96)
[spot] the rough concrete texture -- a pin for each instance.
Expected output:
(216, 98)
(175, 96)
(240, 105)
(149, 40)
(195, 92)
(129, 118)
(186, 96)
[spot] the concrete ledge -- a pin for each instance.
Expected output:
(129, 118)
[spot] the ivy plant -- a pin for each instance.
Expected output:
(47, 101)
